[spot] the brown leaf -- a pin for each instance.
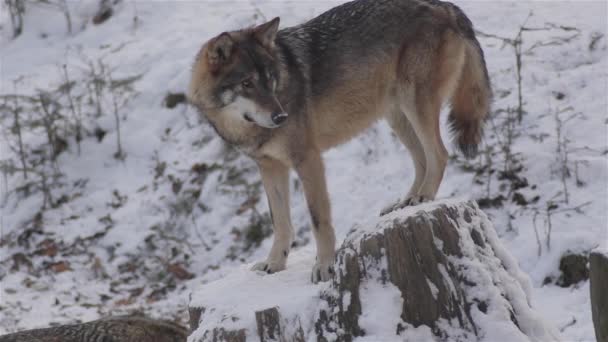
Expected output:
(248, 204)
(156, 295)
(48, 248)
(124, 301)
(60, 266)
(179, 272)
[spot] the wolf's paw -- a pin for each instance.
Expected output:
(407, 202)
(269, 266)
(415, 200)
(322, 271)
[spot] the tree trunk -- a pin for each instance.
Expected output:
(599, 295)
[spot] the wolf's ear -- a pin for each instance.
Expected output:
(267, 32)
(220, 49)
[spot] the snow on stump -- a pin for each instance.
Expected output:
(432, 272)
(599, 297)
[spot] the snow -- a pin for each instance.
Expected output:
(243, 292)
(381, 312)
(434, 289)
(513, 285)
(161, 46)
(601, 250)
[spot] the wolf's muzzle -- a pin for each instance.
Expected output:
(278, 117)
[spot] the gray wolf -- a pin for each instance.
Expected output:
(285, 96)
(116, 329)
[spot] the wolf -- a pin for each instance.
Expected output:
(283, 97)
(131, 328)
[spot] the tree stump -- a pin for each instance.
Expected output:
(431, 272)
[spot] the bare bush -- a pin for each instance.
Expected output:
(64, 116)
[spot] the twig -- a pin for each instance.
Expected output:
(47, 120)
(77, 119)
(257, 10)
(119, 153)
(538, 243)
(17, 127)
(568, 325)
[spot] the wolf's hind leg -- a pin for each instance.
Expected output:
(312, 174)
(434, 85)
(275, 177)
(425, 122)
(404, 130)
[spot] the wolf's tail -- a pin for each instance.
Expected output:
(470, 102)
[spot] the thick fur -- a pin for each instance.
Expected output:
(471, 99)
(329, 79)
(111, 329)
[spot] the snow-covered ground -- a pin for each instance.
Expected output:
(181, 209)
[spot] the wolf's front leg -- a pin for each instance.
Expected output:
(312, 174)
(275, 177)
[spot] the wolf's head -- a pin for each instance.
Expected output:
(236, 76)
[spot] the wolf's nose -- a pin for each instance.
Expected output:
(278, 118)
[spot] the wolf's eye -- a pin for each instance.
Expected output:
(247, 84)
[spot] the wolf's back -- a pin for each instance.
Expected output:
(361, 32)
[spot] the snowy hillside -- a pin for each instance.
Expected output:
(89, 229)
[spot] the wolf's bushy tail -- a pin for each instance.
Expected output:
(470, 102)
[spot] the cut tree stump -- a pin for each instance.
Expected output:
(432, 272)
